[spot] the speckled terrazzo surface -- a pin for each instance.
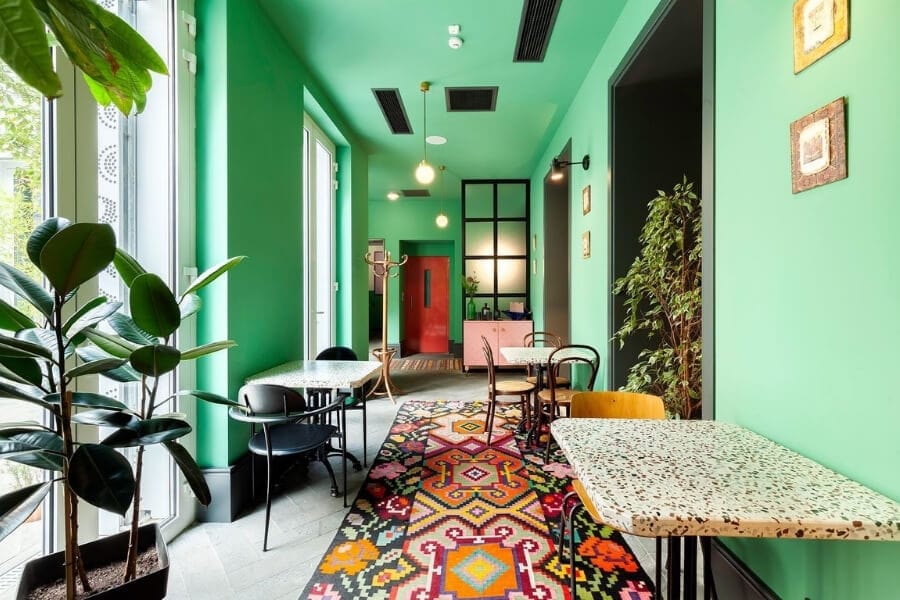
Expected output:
(526, 356)
(675, 478)
(319, 374)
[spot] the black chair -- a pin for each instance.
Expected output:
(279, 410)
(352, 400)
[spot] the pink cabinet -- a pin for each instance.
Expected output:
(498, 334)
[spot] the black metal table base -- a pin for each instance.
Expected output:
(683, 557)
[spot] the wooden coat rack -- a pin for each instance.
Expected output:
(382, 268)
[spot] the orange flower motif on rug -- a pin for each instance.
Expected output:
(607, 555)
(350, 557)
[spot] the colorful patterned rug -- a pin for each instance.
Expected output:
(426, 364)
(442, 516)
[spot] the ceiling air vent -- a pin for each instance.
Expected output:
(535, 27)
(391, 105)
(423, 193)
(471, 99)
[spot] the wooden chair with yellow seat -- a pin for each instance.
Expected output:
(603, 405)
(557, 396)
(497, 390)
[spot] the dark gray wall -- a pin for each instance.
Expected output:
(556, 251)
(657, 141)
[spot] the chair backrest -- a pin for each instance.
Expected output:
(337, 353)
(271, 399)
(489, 359)
(573, 355)
(617, 405)
(542, 338)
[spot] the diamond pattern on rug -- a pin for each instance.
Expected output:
(443, 516)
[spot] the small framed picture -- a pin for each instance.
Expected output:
(586, 244)
(586, 200)
(819, 147)
(820, 26)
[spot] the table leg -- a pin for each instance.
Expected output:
(534, 433)
(690, 568)
(673, 571)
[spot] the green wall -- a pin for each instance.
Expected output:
(412, 220)
(807, 285)
(250, 105)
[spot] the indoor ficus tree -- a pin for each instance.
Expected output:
(40, 361)
(662, 302)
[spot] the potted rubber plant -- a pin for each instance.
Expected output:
(40, 363)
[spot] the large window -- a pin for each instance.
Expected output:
(104, 167)
(318, 223)
(22, 146)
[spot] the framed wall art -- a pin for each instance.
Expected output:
(586, 200)
(820, 26)
(819, 147)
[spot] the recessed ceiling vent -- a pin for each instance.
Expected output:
(391, 105)
(535, 27)
(423, 193)
(471, 99)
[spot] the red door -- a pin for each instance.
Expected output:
(426, 304)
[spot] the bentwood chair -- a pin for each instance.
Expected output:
(279, 411)
(556, 396)
(604, 405)
(500, 391)
(355, 400)
(543, 339)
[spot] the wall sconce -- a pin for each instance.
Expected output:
(556, 166)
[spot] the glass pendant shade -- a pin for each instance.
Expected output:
(424, 173)
(441, 220)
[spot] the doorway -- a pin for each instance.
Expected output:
(656, 120)
(426, 305)
(556, 250)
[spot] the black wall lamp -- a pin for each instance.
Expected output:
(556, 167)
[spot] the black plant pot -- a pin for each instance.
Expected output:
(152, 586)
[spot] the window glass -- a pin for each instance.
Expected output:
(21, 208)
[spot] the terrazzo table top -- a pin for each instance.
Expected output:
(526, 355)
(319, 374)
(710, 478)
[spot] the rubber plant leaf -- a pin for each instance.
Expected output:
(12, 319)
(153, 305)
(155, 360)
(77, 253)
(26, 288)
(191, 471)
(146, 432)
(103, 477)
(17, 506)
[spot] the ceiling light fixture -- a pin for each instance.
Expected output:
(424, 172)
(392, 195)
(441, 219)
(557, 165)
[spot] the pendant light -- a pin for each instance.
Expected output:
(424, 172)
(441, 220)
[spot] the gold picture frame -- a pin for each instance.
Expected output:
(586, 200)
(586, 244)
(819, 147)
(820, 26)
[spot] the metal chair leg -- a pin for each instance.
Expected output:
(572, 548)
(365, 443)
(268, 486)
(323, 458)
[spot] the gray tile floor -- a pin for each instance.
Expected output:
(216, 561)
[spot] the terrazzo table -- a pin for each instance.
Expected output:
(328, 374)
(680, 479)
